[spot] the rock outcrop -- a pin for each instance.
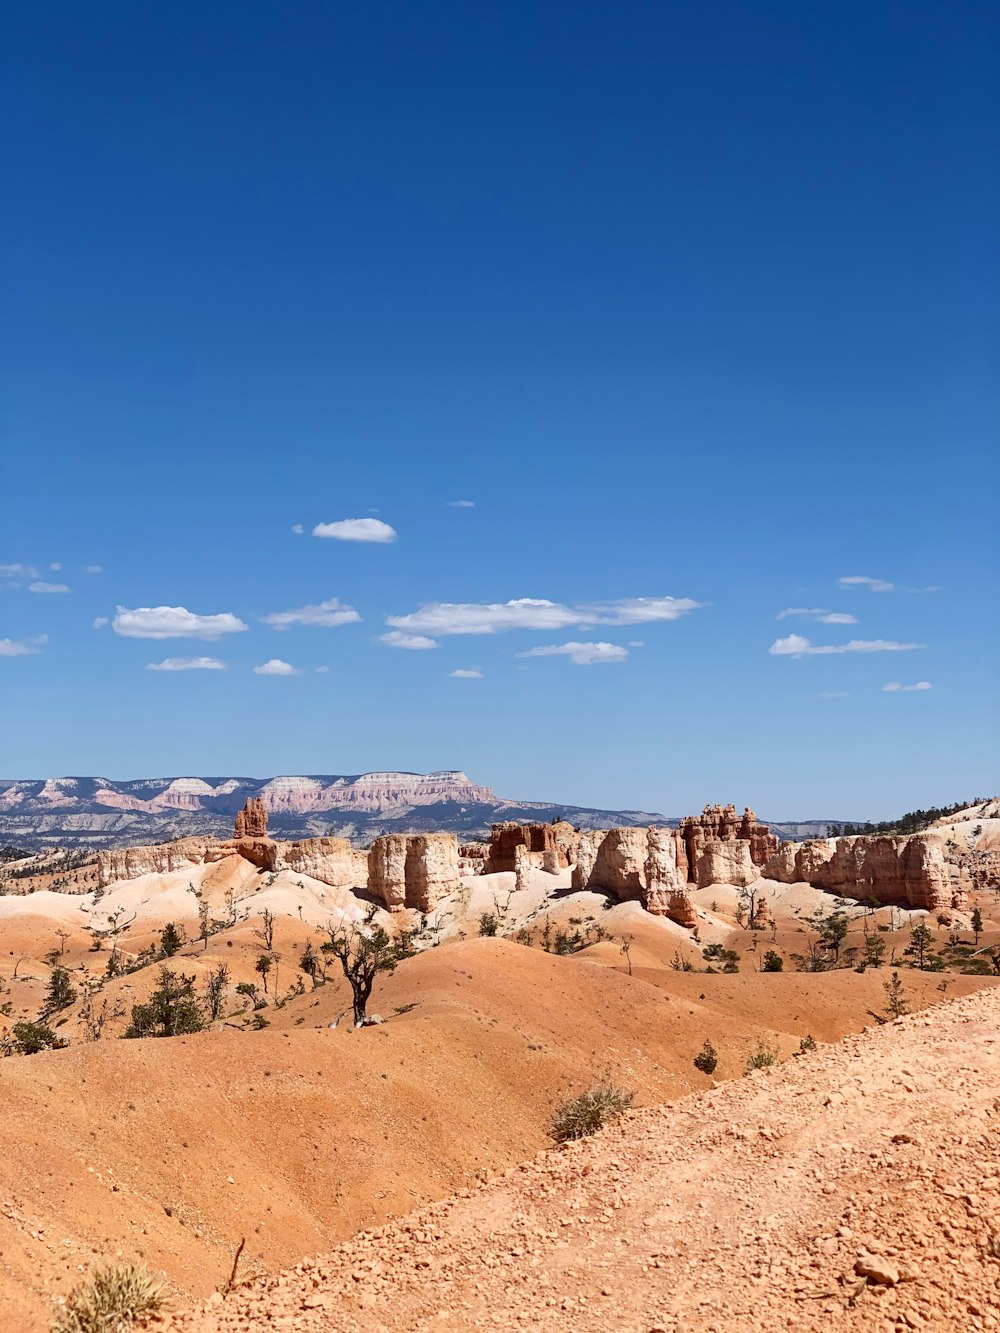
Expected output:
(613, 860)
(890, 869)
(251, 822)
(332, 861)
(548, 845)
(721, 823)
(413, 870)
(131, 862)
(726, 863)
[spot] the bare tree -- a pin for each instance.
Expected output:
(363, 951)
(265, 931)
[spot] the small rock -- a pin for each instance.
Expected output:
(876, 1268)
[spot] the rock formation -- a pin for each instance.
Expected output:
(251, 822)
(721, 823)
(130, 862)
(522, 866)
(332, 861)
(413, 869)
(726, 863)
(613, 860)
(910, 869)
(547, 844)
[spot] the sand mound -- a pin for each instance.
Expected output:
(763, 1204)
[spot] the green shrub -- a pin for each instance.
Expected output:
(489, 924)
(172, 1010)
(762, 1058)
(773, 962)
(707, 1059)
(588, 1113)
(111, 1301)
(807, 1043)
(34, 1037)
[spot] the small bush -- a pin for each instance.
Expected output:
(762, 1058)
(111, 1301)
(34, 1037)
(586, 1114)
(489, 925)
(807, 1043)
(773, 962)
(707, 1059)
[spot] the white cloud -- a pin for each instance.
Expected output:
(298, 529)
(18, 572)
(333, 612)
(462, 504)
(22, 647)
(321, 669)
(397, 639)
(41, 586)
(537, 614)
(356, 530)
(173, 622)
(275, 667)
(820, 614)
(636, 643)
(865, 581)
(187, 664)
(93, 569)
(583, 654)
(466, 673)
(796, 646)
(101, 621)
(894, 686)
(55, 567)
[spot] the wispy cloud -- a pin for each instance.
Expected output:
(41, 586)
(333, 612)
(101, 621)
(583, 654)
(466, 673)
(55, 567)
(93, 569)
(322, 670)
(275, 667)
(535, 613)
(18, 572)
(398, 639)
(894, 687)
(818, 613)
(356, 530)
(173, 622)
(187, 664)
(22, 647)
(298, 529)
(796, 646)
(462, 504)
(865, 581)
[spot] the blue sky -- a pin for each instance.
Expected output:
(689, 302)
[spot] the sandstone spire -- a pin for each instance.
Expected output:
(251, 822)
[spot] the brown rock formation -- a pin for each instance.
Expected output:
(541, 840)
(251, 822)
(413, 869)
(721, 823)
(910, 869)
(130, 862)
(665, 872)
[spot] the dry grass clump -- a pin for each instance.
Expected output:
(112, 1300)
(590, 1112)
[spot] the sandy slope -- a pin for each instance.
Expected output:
(298, 1136)
(747, 1207)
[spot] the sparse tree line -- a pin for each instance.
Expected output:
(914, 821)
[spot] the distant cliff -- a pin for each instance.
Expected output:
(97, 812)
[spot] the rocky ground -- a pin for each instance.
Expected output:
(857, 1187)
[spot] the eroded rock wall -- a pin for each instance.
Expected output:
(332, 861)
(722, 823)
(413, 870)
(890, 868)
(131, 862)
